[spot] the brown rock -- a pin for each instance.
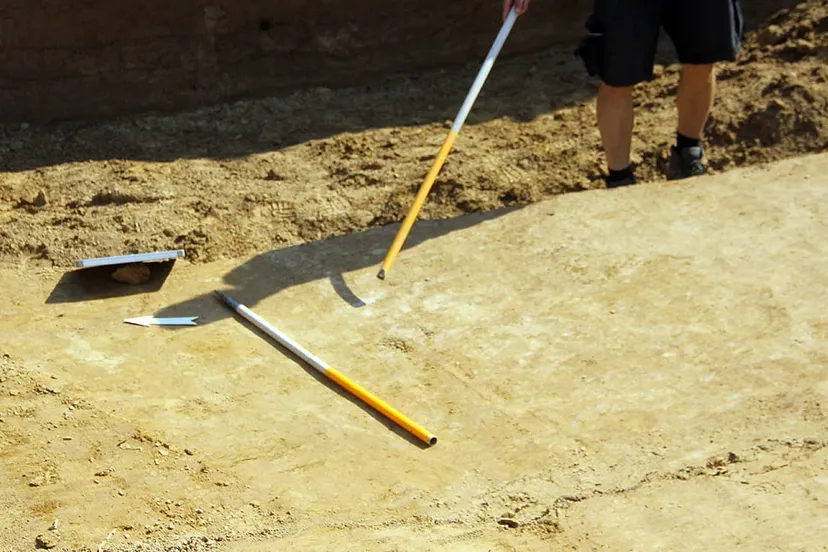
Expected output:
(46, 541)
(133, 274)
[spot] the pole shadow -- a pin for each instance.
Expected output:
(270, 273)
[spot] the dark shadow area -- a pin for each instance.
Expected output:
(342, 289)
(92, 284)
(519, 88)
(389, 425)
(269, 273)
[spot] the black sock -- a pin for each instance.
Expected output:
(617, 176)
(683, 142)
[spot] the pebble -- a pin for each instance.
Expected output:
(67, 438)
(41, 200)
(47, 540)
(133, 274)
(170, 526)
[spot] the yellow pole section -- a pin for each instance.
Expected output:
(381, 406)
(402, 233)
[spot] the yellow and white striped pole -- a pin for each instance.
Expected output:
(419, 200)
(331, 373)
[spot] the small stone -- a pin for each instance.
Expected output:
(773, 35)
(121, 493)
(179, 503)
(37, 481)
(133, 274)
(170, 526)
(148, 529)
(199, 511)
(53, 526)
(67, 438)
(40, 200)
(47, 541)
(163, 452)
(188, 452)
(509, 522)
(273, 175)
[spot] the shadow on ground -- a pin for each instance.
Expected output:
(269, 273)
(93, 284)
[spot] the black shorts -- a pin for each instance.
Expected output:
(623, 35)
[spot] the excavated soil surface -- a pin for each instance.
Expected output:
(228, 181)
(638, 369)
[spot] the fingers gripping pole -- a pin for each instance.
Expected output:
(419, 200)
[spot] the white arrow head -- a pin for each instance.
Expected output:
(148, 321)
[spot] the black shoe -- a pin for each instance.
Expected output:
(685, 163)
(629, 181)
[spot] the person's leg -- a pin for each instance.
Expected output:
(615, 123)
(697, 88)
(620, 50)
(704, 32)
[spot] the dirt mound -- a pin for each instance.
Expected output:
(232, 180)
(783, 111)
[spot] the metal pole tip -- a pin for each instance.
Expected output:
(381, 274)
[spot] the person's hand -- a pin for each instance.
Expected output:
(520, 6)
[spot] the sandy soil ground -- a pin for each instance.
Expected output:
(641, 369)
(244, 178)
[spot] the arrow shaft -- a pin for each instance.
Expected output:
(150, 321)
